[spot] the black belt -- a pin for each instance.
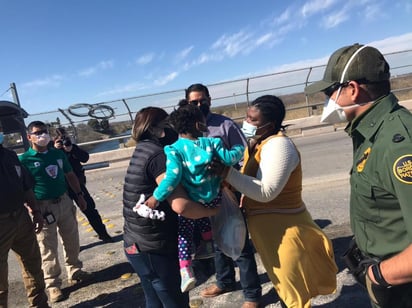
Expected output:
(53, 201)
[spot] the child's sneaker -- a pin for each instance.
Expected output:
(205, 250)
(188, 279)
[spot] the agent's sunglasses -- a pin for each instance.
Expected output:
(329, 91)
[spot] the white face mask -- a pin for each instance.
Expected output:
(333, 113)
(43, 140)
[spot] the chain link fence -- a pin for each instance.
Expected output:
(111, 121)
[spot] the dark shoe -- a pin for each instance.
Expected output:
(213, 290)
(79, 277)
(248, 304)
(106, 238)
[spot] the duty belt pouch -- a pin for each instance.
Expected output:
(352, 256)
(357, 262)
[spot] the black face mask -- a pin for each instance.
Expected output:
(205, 109)
(170, 136)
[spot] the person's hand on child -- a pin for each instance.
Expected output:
(152, 202)
(217, 168)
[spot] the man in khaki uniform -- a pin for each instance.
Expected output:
(50, 170)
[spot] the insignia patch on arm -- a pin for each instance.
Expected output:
(360, 164)
(402, 169)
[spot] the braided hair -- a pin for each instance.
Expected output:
(272, 110)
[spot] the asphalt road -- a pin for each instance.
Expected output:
(326, 161)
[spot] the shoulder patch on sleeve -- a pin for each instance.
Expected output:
(360, 164)
(402, 169)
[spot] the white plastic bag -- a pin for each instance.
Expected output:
(228, 226)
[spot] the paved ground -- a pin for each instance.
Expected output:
(115, 285)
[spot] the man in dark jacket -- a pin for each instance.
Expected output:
(17, 230)
(76, 157)
(220, 126)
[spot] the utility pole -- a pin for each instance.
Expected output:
(15, 95)
(234, 98)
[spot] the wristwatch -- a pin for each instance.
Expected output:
(377, 274)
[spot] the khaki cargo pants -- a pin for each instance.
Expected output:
(64, 212)
(17, 234)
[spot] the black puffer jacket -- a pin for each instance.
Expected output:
(147, 163)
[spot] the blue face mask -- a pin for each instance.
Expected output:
(1, 137)
(248, 129)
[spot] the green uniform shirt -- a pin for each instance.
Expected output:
(381, 178)
(48, 170)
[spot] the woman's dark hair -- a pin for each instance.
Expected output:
(197, 87)
(272, 110)
(145, 120)
(184, 118)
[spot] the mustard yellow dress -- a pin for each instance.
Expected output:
(296, 254)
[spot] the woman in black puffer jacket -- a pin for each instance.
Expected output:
(150, 243)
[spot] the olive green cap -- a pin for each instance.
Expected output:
(355, 62)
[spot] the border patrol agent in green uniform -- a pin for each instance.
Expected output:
(356, 82)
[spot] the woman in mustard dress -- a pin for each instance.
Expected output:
(296, 254)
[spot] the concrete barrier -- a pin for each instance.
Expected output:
(111, 156)
(303, 127)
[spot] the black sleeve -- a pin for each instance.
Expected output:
(156, 165)
(79, 154)
(16, 171)
(28, 180)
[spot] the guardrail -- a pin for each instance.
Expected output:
(297, 127)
